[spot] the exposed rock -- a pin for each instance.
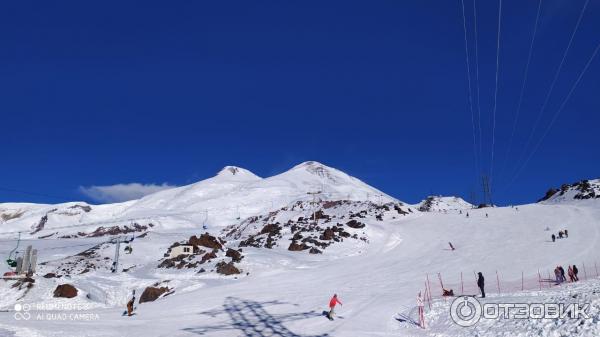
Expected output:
(66, 291)
(295, 247)
(235, 255)
(355, 224)
(151, 294)
(208, 256)
(205, 240)
(50, 275)
(328, 234)
(227, 268)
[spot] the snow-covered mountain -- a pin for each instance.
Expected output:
(581, 190)
(272, 255)
(439, 203)
(232, 195)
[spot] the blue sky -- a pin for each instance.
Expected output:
(108, 93)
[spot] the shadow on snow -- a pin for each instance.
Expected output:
(251, 318)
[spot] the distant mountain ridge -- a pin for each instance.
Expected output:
(581, 190)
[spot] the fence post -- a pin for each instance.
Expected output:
(498, 281)
(462, 285)
(442, 283)
(540, 279)
(522, 281)
(549, 280)
(595, 266)
(427, 294)
(428, 286)
(584, 272)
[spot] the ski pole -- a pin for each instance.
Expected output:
(584, 272)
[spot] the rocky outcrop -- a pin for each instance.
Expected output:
(227, 268)
(151, 294)
(65, 291)
(206, 240)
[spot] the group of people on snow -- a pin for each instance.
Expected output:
(572, 271)
(563, 233)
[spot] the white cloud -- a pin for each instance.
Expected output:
(121, 192)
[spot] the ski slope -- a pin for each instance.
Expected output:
(283, 293)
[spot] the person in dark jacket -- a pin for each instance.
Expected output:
(553, 238)
(481, 284)
(562, 274)
(575, 272)
(566, 233)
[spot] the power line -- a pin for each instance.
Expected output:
(495, 93)
(522, 93)
(470, 90)
(557, 113)
(552, 84)
(477, 85)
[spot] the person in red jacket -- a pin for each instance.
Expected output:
(334, 300)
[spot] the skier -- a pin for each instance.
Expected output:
(566, 233)
(130, 304)
(553, 238)
(486, 215)
(575, 272)
(460, 212)
(467, 214)
(562, 274)
(334, 300)
(571, 274)
(481, 284)
(560, 234)
(451, 246)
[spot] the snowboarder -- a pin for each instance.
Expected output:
(562, 274)
(566, 233)
(553, 238)
(421, 307)
(575, 272)
(571, 274)
(334, 300)
(130, 304)
(481, 284)
(451, 246)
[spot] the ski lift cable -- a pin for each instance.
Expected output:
(470, 89)
(522, 92)
(495, 93)
(552, 85)
(477, 85)
(557, 113)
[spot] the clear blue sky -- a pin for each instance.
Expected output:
(103, 93)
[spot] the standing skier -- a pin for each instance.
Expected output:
(553, 238)
(557, 275)
(334, 300)
(575, 272)
(481, 284)
(130, 304)
(566, 233)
